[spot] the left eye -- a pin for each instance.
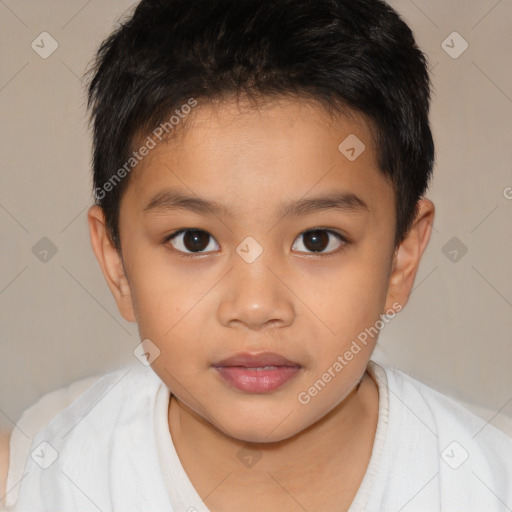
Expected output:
(317, 240)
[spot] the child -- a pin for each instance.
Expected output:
(256, 126)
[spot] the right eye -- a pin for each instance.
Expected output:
(193, 240)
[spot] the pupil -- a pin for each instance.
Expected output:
(195, 240)
(319, 238)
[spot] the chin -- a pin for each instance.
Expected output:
(250, 431)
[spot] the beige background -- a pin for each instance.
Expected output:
(58, 319)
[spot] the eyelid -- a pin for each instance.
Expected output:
(343, 238)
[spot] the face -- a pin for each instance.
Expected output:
(292, 255)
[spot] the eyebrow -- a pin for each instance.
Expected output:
(169, 200)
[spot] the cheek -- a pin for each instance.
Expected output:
(171, 311)
(351, 299)
(163, 292)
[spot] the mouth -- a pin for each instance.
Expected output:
(261, 373)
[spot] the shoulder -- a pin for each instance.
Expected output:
(442, 408)
(452, 423)
(61, 400)
(15, 447)
(4, 462)
(113, 405)
(458, 450)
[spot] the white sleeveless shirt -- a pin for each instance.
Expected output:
(110, 450)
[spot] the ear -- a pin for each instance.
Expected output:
(110, 262)
(408, 255)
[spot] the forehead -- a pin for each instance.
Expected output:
(253, 156)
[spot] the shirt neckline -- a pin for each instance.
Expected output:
(378, 373)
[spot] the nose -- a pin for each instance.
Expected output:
(256, 295)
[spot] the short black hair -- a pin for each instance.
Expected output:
(347, 55)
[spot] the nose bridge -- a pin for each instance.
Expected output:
(254, 295)
(255, 267)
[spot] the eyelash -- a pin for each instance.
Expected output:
(337, 234)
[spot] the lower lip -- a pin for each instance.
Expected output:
(257, 381)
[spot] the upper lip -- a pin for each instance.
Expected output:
(256, 360)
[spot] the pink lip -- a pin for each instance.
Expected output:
(244, 371)
(256, 360)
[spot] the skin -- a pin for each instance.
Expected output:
(304, 305)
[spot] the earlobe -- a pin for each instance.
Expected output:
(408, 255)
(110, 262)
